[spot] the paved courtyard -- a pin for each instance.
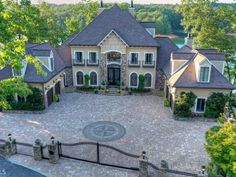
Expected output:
(149, 126)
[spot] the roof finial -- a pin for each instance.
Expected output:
(132, 4)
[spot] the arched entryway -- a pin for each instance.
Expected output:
(113, 74)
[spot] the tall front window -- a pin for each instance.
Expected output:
(79, 57)
(133, 80)
(80, 78)
(93, 79)
(200, 107)
(149, 58)
(148, 80)
(134, 58)
(92, 57)
(204, 74)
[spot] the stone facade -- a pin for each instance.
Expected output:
(37, 149)
(123, 69)
(102, 67)
(69, 76)
(160, 80)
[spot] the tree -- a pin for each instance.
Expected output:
(221, 146)
(15, 24)
(210, 26)
(10, 88)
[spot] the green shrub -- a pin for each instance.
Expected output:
(215, 105)
(183, 103)
(141, 83)
(86, 80)
(166, 102)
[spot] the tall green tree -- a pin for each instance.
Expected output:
(211, 26)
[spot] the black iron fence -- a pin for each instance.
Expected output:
(101, 154)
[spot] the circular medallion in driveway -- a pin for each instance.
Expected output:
(104, 131)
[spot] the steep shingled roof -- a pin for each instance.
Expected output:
(43, 49)
(164, 53)
(188, 79)
(132, 32)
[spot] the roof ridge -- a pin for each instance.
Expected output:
(36, 45)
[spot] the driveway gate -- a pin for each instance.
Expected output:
(101, 154)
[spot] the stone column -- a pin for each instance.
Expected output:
(164, 166)
(103, 68)
(10, 147)
(37, 149)
(53, 151)
(143, 165)
(123, 70)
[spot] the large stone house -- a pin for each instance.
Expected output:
(114, 49)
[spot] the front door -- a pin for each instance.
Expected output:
(114, 76)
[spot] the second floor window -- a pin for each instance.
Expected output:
(79, 57)
(92, 57)
(204, 74)
(52, 63)
(134, 58)
(148, 58)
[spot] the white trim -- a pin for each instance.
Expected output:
(90, 78)
(133, 72)
(195, 107)
(112, 31)
(23, 69)
(130, 54)
(151, 79)
(76, 84)
(48, 67)
(96, 56)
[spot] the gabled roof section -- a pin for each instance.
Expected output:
(112, 31)
(186, 78)
(122, 22)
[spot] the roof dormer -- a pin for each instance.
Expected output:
(47, 61)
(203, 70)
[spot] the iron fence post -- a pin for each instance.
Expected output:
(98, 153)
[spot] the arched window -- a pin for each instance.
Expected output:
(80, 78)
(148, 80)
(133, 80)
(93, 78)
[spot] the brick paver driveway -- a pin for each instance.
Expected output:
(149, 126)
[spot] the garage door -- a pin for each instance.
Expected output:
(58, 88)
(50, 96)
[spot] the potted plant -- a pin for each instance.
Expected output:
(56, 98)
(96, 91)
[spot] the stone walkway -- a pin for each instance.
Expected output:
(149, 126)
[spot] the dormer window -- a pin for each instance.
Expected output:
(51, 63)
(204, 75)
(17, 72)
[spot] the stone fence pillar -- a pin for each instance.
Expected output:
(143, 165)
(53, 151)
(38, 151)
(164, 166)
(10, 147)
(203, 172)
